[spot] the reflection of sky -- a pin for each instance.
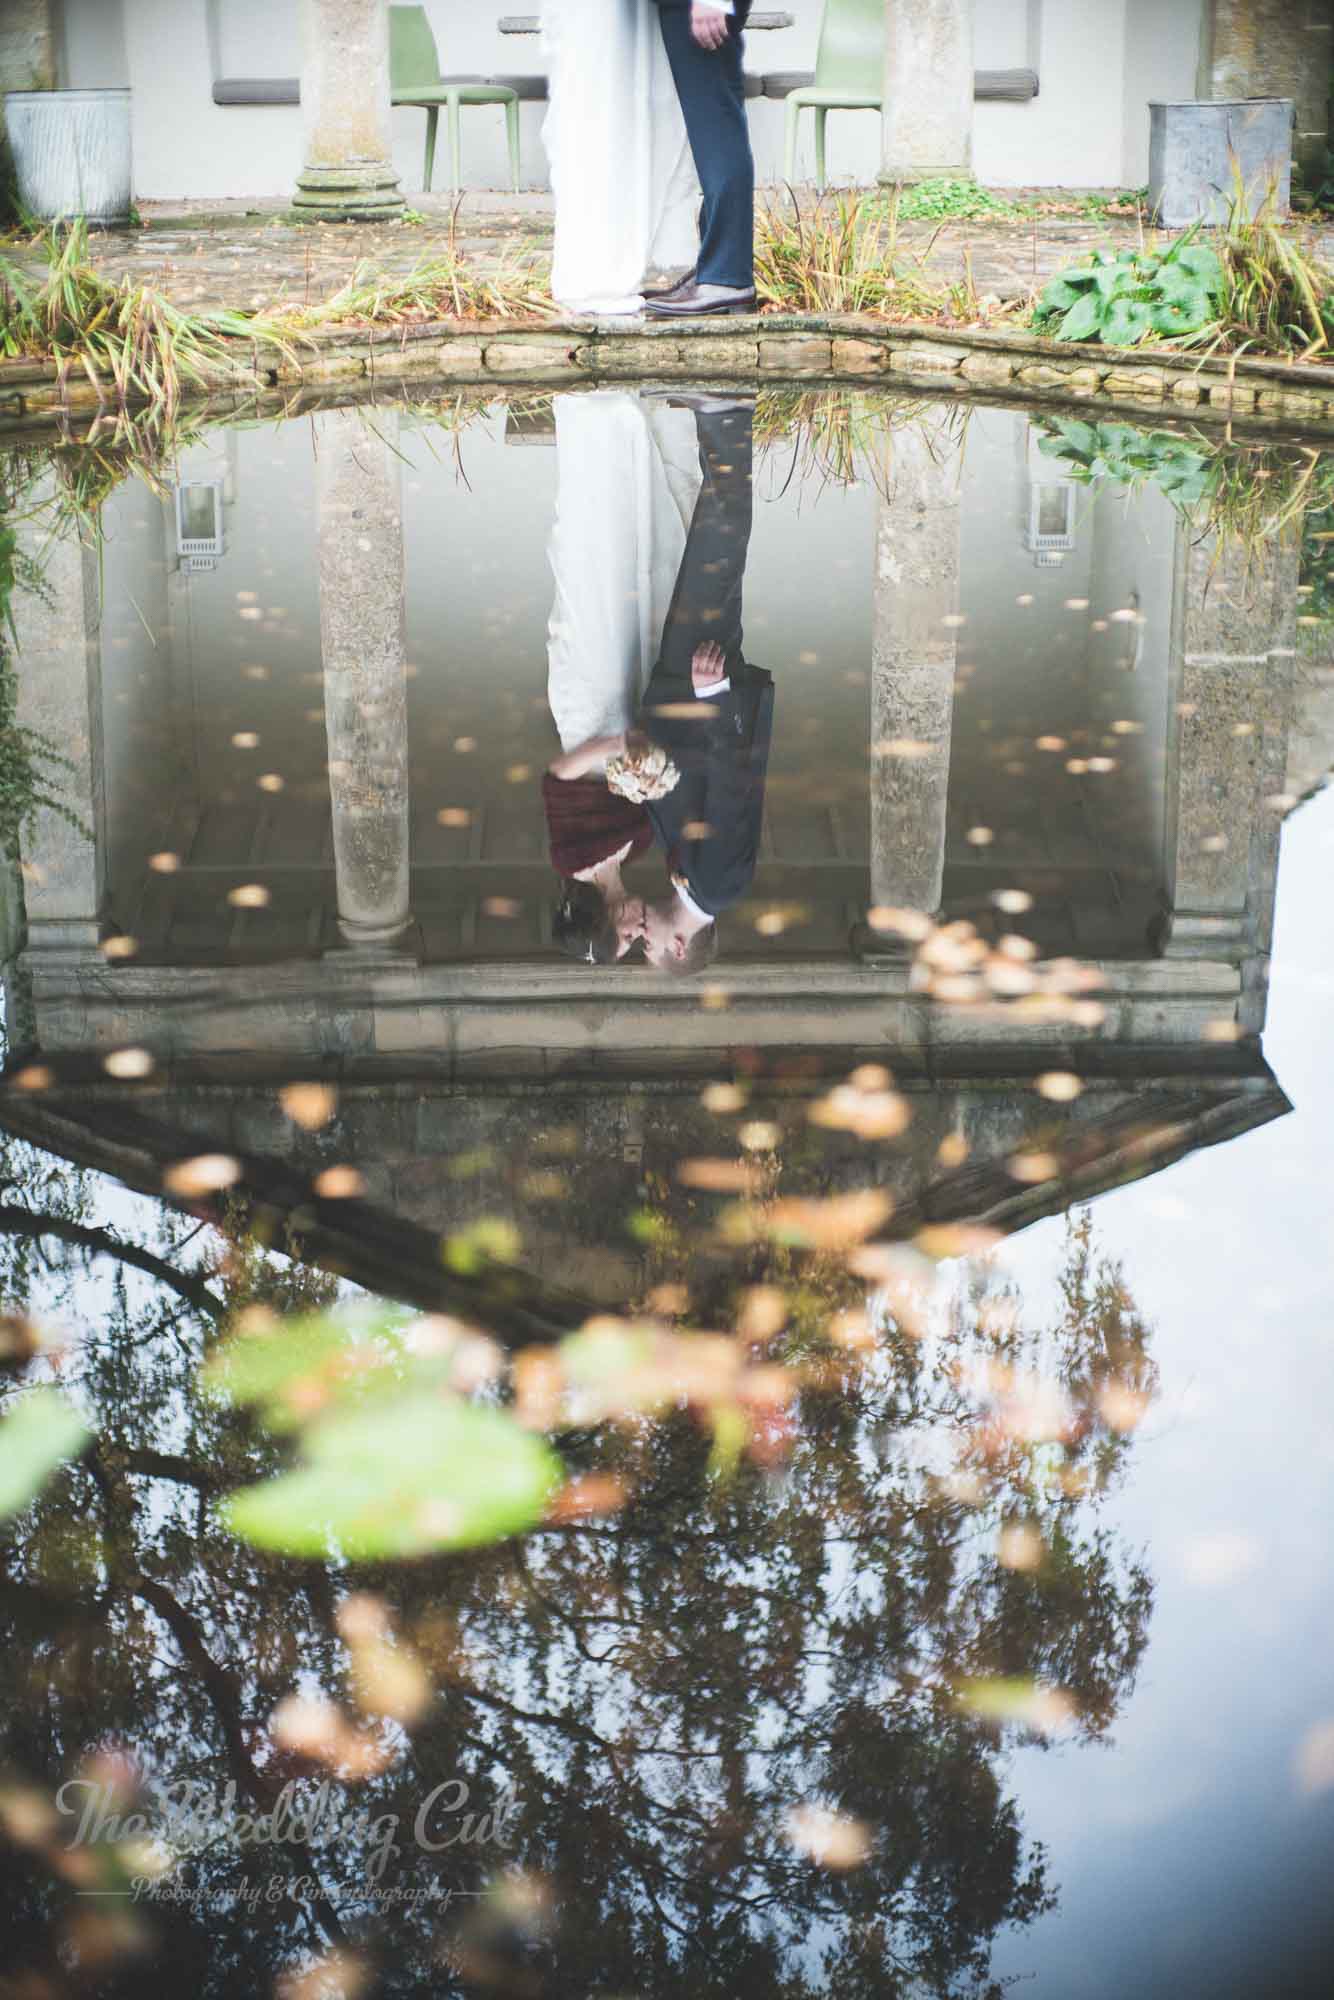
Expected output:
(1188, 1858)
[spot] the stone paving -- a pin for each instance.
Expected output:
(242, 256)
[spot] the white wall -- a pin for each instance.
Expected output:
(1100, 61)
(1162, 62)
(90, 45)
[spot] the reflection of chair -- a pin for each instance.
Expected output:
(414, 71)
(849, 73)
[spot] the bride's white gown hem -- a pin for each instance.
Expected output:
(626, 195)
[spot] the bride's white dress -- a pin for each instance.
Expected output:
(625, 189)
(627, 478)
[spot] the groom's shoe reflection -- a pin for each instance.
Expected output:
(709, 708)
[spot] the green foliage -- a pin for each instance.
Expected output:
(394, 1462)
(1276, 299)
(945, 200)
(38, 1432)
(417, 1476)
(1126, 296)
(1092, 452)
(1318, 562)
(1313, 192)
(30, 762)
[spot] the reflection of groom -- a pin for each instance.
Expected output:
(710, 709)
(703, 39)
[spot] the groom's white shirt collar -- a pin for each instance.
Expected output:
(715, 6)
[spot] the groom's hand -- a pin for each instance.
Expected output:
(708, 24)
(708, 667)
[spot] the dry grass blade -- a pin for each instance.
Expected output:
(1278, 298)
(843, 255)
(130, 334)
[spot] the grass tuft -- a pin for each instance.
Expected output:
(132, 333)
(1277, 299)
(842, 254)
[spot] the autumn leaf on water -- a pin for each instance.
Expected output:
(38, 1432)
(836, 1223)
(721, 1176)
(1026, 1703)
(829, 1839)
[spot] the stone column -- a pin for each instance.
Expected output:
(27, 62)
(1234, 644)
(58, 666)
(349, 172)
(1274, 48)
(927, 125)
(27, 45)
(364, 647)
(914, 648)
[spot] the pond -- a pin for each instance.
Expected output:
(666, 1230)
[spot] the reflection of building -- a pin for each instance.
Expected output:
(1113, 736)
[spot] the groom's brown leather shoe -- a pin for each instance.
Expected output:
(696, 301)
(674, 291)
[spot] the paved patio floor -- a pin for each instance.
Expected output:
(243, 255)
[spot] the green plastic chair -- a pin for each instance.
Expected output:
(849, 73)
(414, 78)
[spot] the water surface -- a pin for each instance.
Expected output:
(960, 1617)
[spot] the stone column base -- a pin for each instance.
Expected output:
(367, 193)
(959, 170)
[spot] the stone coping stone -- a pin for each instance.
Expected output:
(804, 349)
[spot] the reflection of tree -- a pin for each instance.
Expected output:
(660, 1687)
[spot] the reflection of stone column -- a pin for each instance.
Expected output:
(1235, 641)
(59, 671)
(927, 125)
(348, 174)
(365, 670)
(912, 666)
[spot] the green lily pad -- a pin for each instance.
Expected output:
(1084, 319)
(1066, 290)
(1200, 263)
(417, 1476)
(38, 1432)
(1126, 321)
(293, 1370)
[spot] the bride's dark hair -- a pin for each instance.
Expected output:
(581, 927)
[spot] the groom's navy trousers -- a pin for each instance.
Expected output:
(713, 98)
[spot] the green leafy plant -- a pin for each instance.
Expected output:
(944, 200)
(1126, 296)
(1130, 457)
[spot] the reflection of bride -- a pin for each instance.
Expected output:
(625, 189)
(627, 478)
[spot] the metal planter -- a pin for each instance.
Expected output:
(1198, 150)
(72, 152)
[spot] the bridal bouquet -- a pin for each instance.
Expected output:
(642, 772)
